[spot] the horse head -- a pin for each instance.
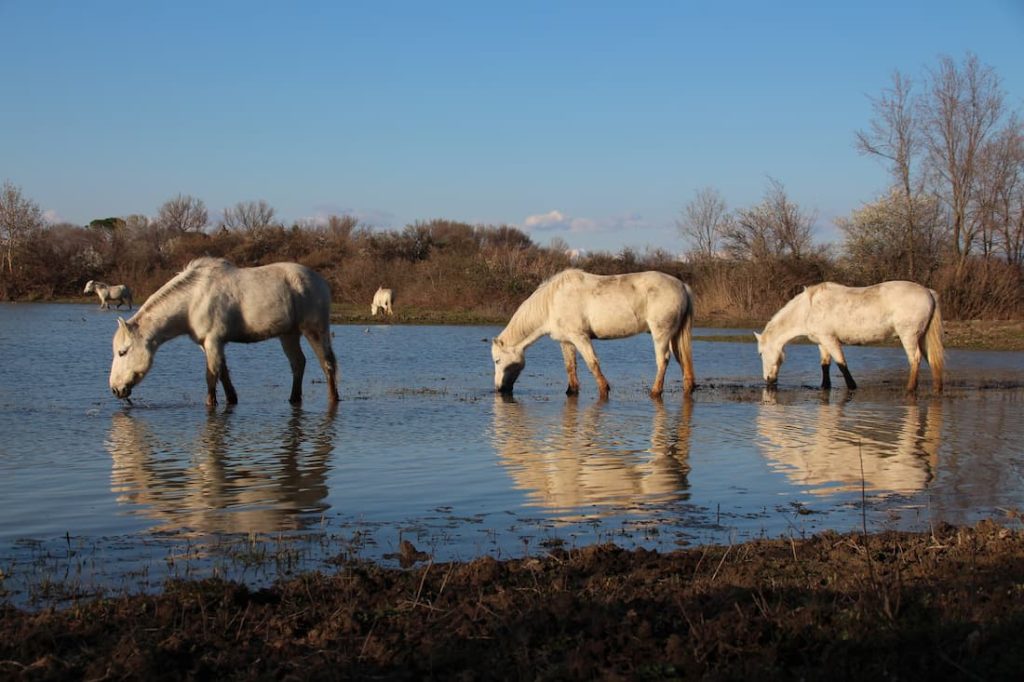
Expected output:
(89, 287)
(133, 357)
(508, 363)
(772, 357)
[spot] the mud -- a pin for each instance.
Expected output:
(947, 604)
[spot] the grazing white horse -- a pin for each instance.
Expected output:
(574, 307)
(117, 294)
(381, 302)
(831, 314)
(216, 303)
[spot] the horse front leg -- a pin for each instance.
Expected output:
(586, 349)
(833, 348)
(293, 349)
(826, 366)
(217, 369)
(569, 356)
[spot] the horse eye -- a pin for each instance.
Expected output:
(121, 353)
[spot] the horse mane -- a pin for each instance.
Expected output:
(535, 308)
(196, 268)
(786, 312)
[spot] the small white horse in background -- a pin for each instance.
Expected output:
(574, 307)
(831, 314)
(117, 294)
(381, 302)
(216, 303)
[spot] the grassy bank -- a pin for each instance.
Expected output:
(970, 334)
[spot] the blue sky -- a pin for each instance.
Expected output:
(594, 122)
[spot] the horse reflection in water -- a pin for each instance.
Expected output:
(835, 447)
(582, 458)
(221, 485)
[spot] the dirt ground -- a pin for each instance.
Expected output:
(948, 604)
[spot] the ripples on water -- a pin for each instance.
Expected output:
(420, 448)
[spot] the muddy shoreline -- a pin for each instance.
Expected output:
(947, 603)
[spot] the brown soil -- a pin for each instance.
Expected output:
(946, 604)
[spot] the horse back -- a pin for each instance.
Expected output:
(253, 304)
(865, 314)
(616, 306)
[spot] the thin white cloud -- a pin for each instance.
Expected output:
(371, 217)
(556, 221)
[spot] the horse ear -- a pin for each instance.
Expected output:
(122, 324)
(757, 336)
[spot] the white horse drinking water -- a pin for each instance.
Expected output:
(215, 303)
(831, 314)
(117, 294)
(574, 307)
(381, 302)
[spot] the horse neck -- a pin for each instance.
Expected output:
(529, 322)
(789, 322)
(164, 315)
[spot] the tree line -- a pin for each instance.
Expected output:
(952, 219)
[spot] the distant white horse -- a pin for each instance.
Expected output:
(831, 314)
(381, 301)
(574, 307)
(215, 303)
(118, 294)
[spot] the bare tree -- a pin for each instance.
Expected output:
(775, 228)
(894, 137)
(182, 214)
(249, 216)
(703, 222)
(19, 216)
(997, 206)
(964, 106)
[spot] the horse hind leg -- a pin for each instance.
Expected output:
(913, 351)
(320, 341)
(661, 353)
(292, 347)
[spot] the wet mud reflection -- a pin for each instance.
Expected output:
(590, 456)
(230, 479)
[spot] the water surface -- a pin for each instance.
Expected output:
(107, 494)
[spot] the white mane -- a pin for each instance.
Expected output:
(535, 308)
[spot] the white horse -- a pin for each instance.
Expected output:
(831, 314)
(118, 294)
(381, 301)
(574, 307)
(215, 303)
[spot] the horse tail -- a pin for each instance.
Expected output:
(932, 341)
(682, 344)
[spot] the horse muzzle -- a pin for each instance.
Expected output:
(121, 392)
(771, 382)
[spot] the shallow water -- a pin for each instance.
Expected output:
(110, 495)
